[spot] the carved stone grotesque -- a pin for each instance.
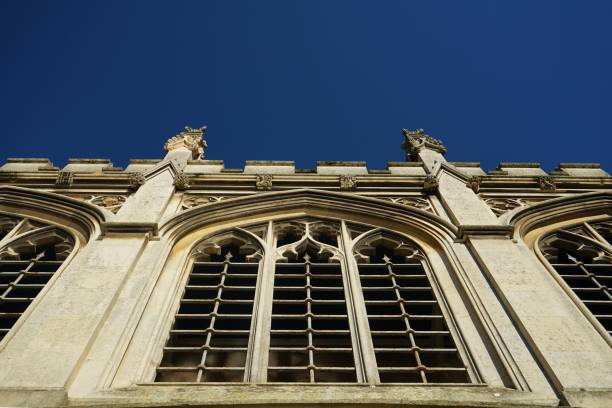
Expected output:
(430, 185)
(348, 182)
(474, 183)
(547, 183)
(136, 180)
(181, 181)
(263, 182)
(415, 140)
(64, 179)
(190, 138)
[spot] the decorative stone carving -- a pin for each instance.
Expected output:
(39, 241)
(244, 245)
(190, 138)
(430, 185)
(577, 247)
(415, 140)
(393, 244)
(195, 200)
(136, 180)
(502, 205)
(110, 202)
(181, 181)
(416, 202)
(263, 182)
(64, 179)
(307, 239)
(547, 183)
(348, 182)
(474, 183)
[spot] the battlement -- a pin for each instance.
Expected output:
(287, 167)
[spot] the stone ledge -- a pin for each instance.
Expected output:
(526, 165)
(341, 168)
(269, 163)
(330, 163)
(206, 162)
(89, 161)
(404, 164)
(485, 230)
(465, 164)
(27, 160)
(269, 167)
(129, 228)
(144, 161)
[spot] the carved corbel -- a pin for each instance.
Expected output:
(430, 185)
(263, 182)
(182, 181)
(348, 182)
(474, 183)
(547, 183)
(64, 179)
(136, 180)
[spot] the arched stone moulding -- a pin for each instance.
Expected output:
(532, 222)
(79, 220)
(535, 223)
(318, 200)
(181, 233)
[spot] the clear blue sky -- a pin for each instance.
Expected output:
(306, 80)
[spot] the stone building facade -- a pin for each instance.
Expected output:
(179, 282)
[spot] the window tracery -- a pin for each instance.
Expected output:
(416, 202)
(411, 339)
(582, 256)
(501, 205)
(112, 202)
(281, 303)
(210, 336)
(30, 253)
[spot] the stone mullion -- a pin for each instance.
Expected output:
(603, 242)
(363, 347)
(256, 370)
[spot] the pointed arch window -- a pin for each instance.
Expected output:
(30, 254)
(581, 255)
(311, 301)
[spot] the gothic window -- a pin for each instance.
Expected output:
(310, 301)
(210, 336)
(582, 256)
(411, 340)
(30, 253)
